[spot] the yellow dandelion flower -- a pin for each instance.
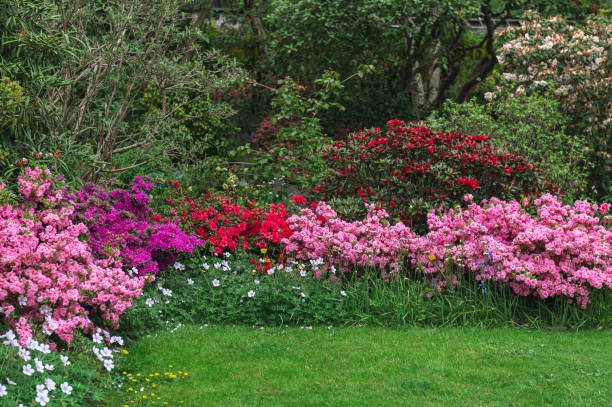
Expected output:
(153, 385)
(137, 374)
(144, 396)
(264, 250)
(147, 380)
(432, 257)
(124, 351)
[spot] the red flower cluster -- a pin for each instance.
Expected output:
(410, 169)
(228, 226)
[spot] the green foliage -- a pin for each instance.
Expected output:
(531, 126)
(296, 154)
(279, 298)
(11, 100)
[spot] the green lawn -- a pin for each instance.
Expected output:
(241, 366)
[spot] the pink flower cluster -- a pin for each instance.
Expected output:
(49, 278)
(370, 242)
(563, 251)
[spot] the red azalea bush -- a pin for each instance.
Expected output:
(409, 161)
(229, 227)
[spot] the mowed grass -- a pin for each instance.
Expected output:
(368, 366)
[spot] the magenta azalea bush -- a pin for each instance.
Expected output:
(122, 220)
(563, 251)
(49, 276)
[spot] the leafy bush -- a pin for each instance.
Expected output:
(50, 278)
(410, 169)
(574, 64)
(531, 126)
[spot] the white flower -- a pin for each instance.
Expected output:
(3, 391)
(24, 354)
(179, 266)
(343, 293)
(288, 269)
(271, 271)
(256, 282)
(108, 364)
(217, 265)
(64, 360)
(23, 301)
(39, 365)
(216, 283)
(42, 397)
(303, 273)
(302, 295)
(28, 370)
(190, 281)
(116, 339)
(50, 384)
(49, 367)
(9, 381)
(227, 254)
(251, 294)
(332, 269)
(66, 388)
(97, 338)
(166, 292)
(106, 353)
(150, 302)
(205, 266)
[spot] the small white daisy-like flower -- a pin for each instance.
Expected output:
(9, 381)
(24, 354)
(49, 367)
(302, 295)
(150, 302)
(343, 293)
(256, 282)
(50, 384)
(28, 370)
(40, 366)
(66, 388)
(251, 294)
(303, 273)
(179, 266)
(271, 271)
(205, 266)
(64, 360)
(3, 391)
(216, 283)
(227, 254)
(217, 265)
(109, 365)
(42, 397)
(166, 292)
(97, 338)
(190, 281)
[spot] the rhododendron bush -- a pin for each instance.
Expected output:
(563, 251)
(573, 64)
(49, 276)
(409, 169)
(122, 220)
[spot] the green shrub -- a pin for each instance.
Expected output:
(532, 126)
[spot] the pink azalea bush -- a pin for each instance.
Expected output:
(372, 242)
(49, 277)
(562, 251)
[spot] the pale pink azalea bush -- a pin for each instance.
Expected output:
(370, 242)
(49, 278)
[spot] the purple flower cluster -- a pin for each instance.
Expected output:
(122, 219)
